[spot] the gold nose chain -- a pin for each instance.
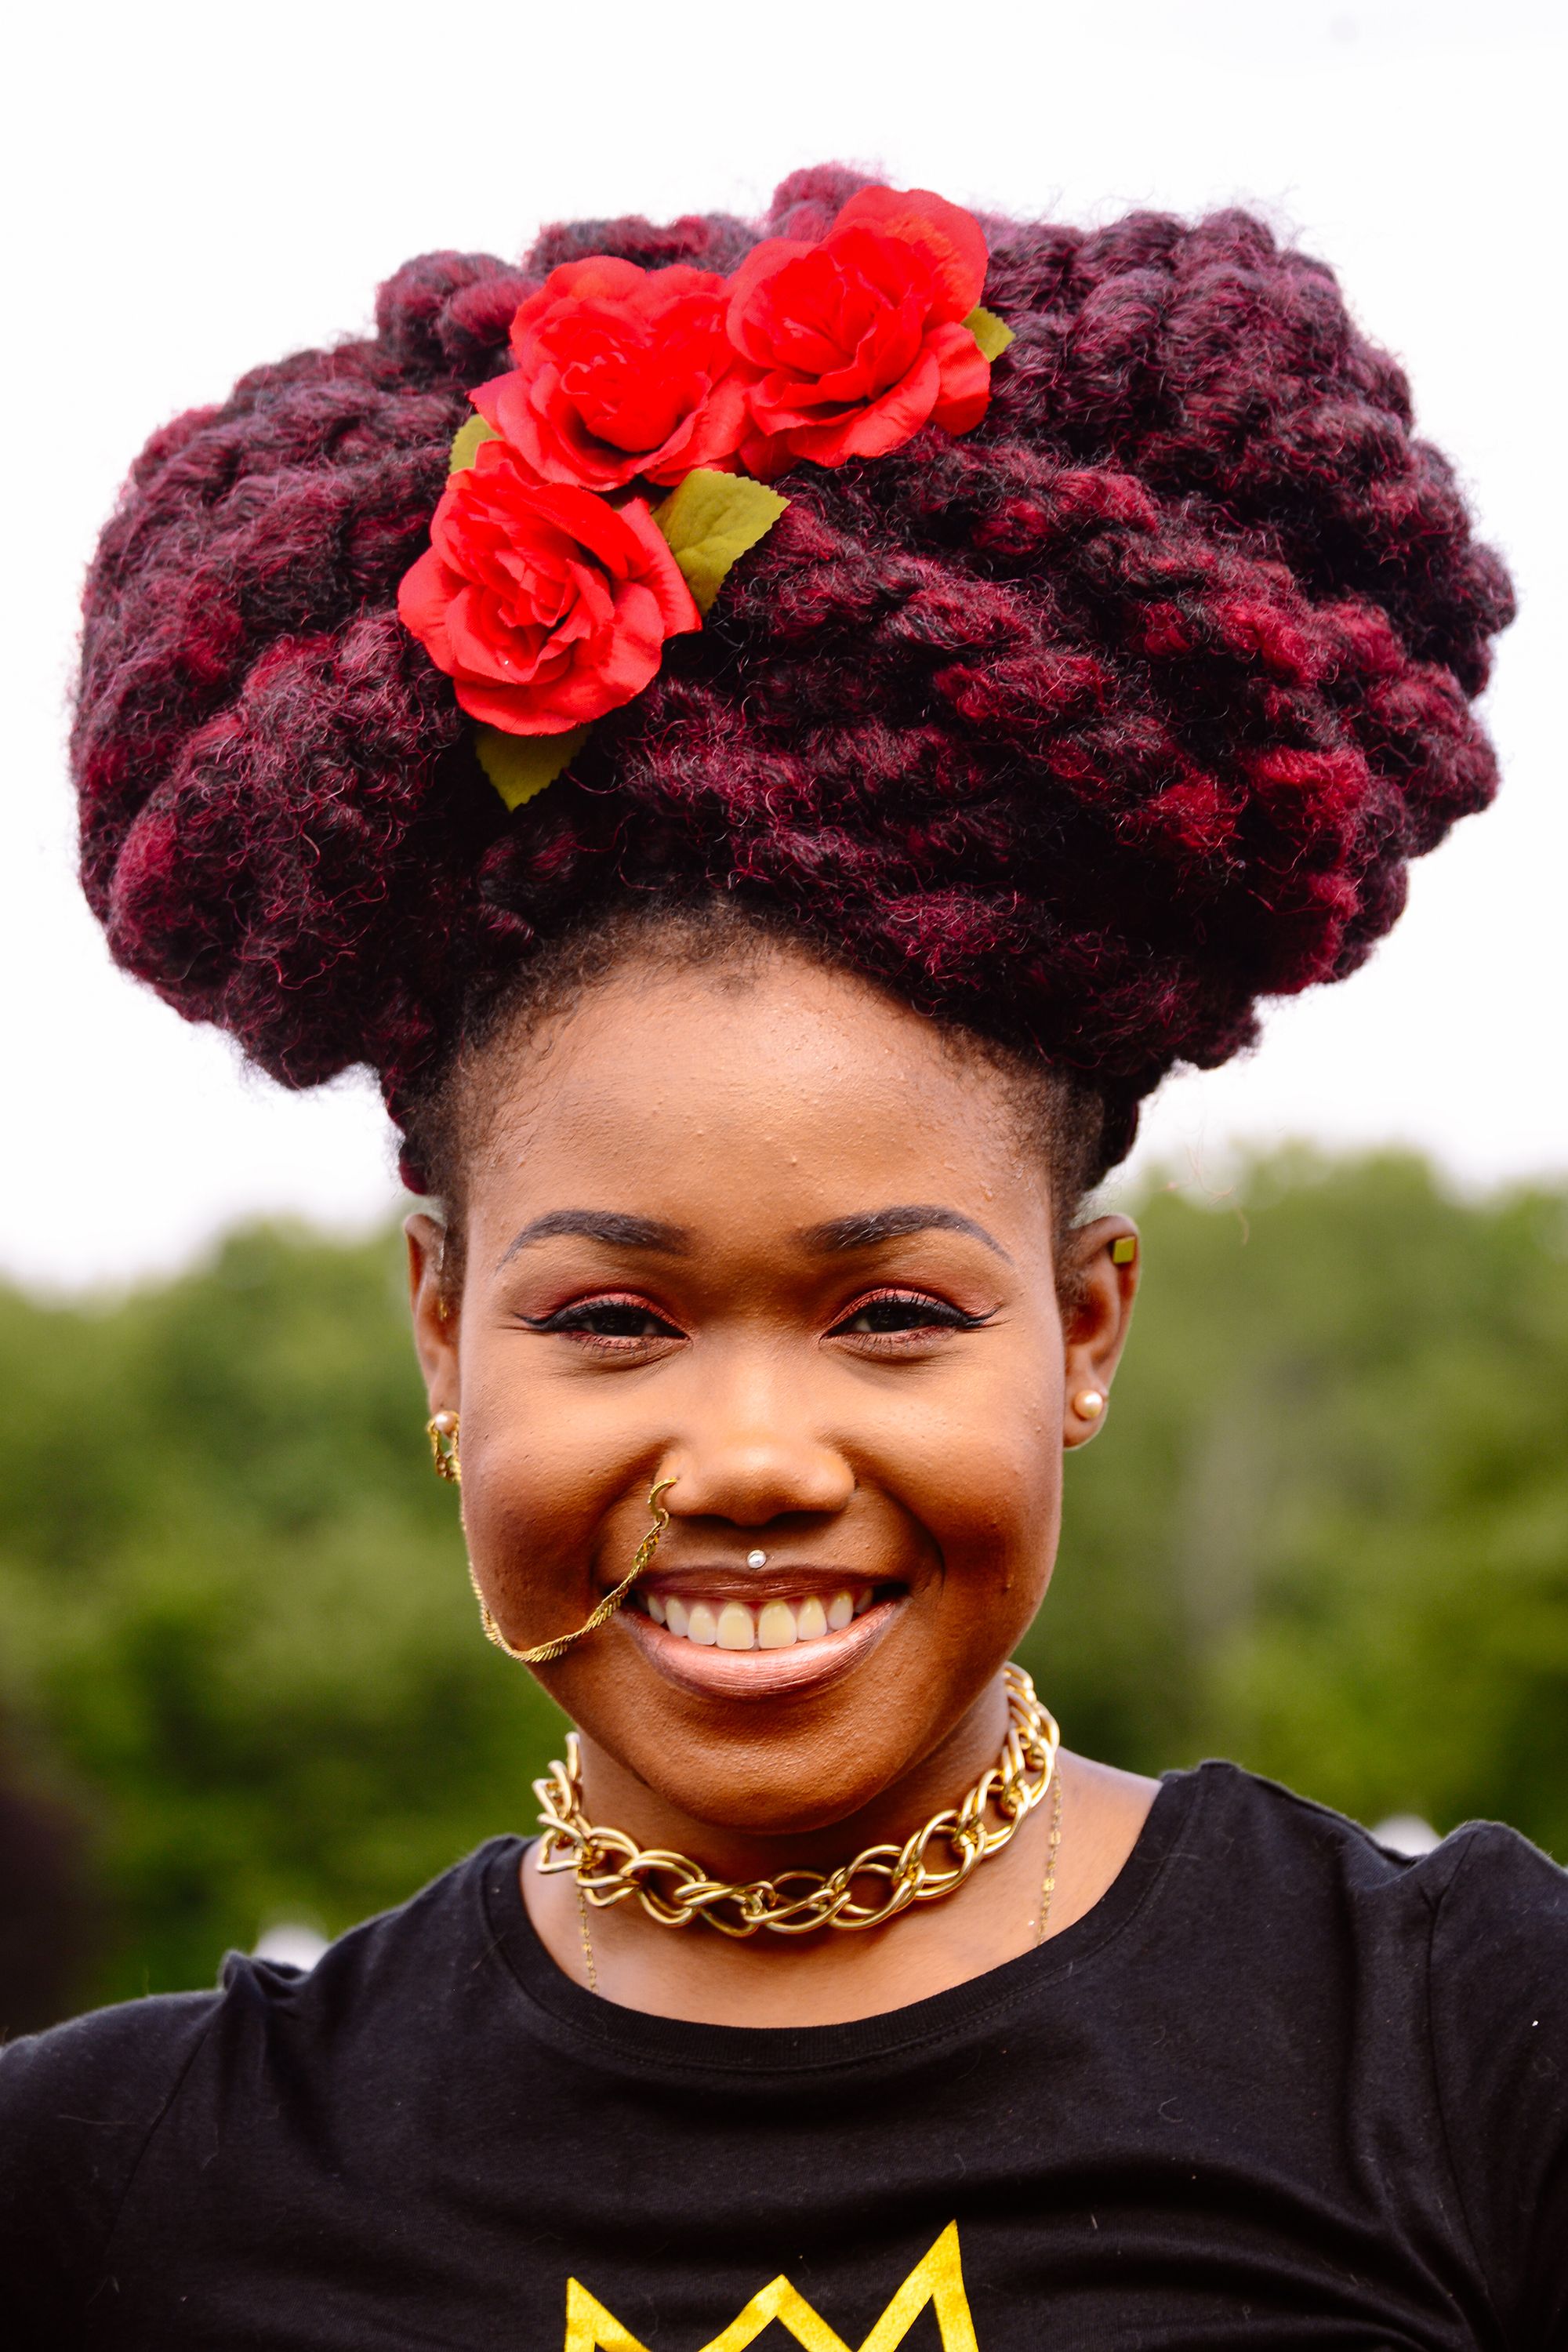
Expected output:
(442, 1431)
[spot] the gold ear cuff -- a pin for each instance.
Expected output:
(441, 1429)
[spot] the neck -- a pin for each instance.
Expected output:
(832, 1977)
(721, 1840)
(1000, 1910)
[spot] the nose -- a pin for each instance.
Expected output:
(749, 1452)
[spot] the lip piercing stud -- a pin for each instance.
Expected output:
(756, 1559)
(1089, 1403)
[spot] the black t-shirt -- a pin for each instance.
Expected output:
(1277, 2088)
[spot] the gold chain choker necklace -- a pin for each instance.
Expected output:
(609, 1866)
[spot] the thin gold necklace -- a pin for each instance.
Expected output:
(1048, 1883)
(587, 1941)
(609, 1866)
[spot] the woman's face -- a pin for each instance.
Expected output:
(760, 1230)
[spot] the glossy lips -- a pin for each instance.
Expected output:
(719, 1646)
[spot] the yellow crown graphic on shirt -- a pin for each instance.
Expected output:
(937, 2280)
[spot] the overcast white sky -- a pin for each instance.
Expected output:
(194, 189)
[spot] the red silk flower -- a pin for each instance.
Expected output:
(620, 371)
(858, 341)
(546, 604)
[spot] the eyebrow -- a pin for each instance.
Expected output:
(877, 1225)
(606, 1225)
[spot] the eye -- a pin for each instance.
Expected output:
(627, 1321)
(893, 1314)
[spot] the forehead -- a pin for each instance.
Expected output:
(763, 1092)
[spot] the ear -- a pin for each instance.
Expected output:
(434, 1316)
(1103, 1261)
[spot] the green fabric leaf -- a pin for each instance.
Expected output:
(466, 443)
(521, 765)
(711, 520)
(992, 334)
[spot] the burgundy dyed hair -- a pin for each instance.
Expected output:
(1084, 732)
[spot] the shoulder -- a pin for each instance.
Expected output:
(77, 2106)
(1499, 1997)
(1498, 1977)
(1225, 1805)
(111, 2074)
(127, 2104)
(1277, 1880)
(102, 2072)
(94, 2083)
(1449, 1970)
(1489, 1877)
(1490, 1907)
(1309, 1851)
(382, 1995)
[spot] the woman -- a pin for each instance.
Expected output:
(771, 756)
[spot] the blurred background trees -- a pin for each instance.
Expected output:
(241, 1678)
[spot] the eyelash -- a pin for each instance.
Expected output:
(583, 1319)
(576, 1321)
(934, 1313)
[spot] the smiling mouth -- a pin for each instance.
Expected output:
(713, 1622)
(719, 1646)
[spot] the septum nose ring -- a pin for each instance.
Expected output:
(756, 1559)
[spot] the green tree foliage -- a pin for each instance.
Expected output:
(1325, 1530)
(235, 1625)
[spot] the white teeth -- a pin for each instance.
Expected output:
(737, 1626)
(776, 1626)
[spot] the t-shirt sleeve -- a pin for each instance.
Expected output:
(1500, 2028)
(77, 2106)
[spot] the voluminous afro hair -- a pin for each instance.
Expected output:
(1085, 731)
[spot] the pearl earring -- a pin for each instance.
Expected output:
(1089, 1403)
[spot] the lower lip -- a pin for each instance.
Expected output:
(760, 1673)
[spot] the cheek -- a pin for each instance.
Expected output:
(982, 1472)
(993, 1506)
(547, 1480)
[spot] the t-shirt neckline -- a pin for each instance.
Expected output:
(633, 2036)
